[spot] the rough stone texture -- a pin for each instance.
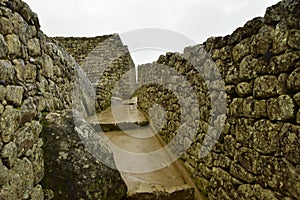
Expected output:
(257, 154)
(106, 63)
(37, 76)
(71, 171)
(22, 47)
(80, 47)
(281, 108)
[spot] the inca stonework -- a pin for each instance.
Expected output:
(37, 83)
(104, 60)
(256, 156)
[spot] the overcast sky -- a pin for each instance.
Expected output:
(195, 19)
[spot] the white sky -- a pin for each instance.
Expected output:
(195, 19)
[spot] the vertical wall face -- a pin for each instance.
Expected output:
(257, 153)
(105, 61)
(36, 76)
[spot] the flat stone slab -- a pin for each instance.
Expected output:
(165, 183)
(147, 175)
(119, 117)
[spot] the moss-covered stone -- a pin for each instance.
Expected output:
(71, 171)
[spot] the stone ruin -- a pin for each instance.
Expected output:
(255, 157)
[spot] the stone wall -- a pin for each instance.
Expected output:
(107, 64)
(37, 77)
(80, 47)
(257, 154)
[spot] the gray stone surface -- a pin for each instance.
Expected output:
(71, 171)
(257, 153)
(105, 61)
(36, 76)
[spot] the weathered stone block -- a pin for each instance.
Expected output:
(230, 89)
(230, 146)
(293, 39)
(9, 154)
(3, 47)
(37, 193)
(290, 142)
(283, 63)
(240, 173)
(248, 107)
(28, 110)
(4, 175)
(34, 48)
(241, 50)
(266, 137)
(262, 42)
(36, 157)
(1, 108)
(14, 45)
(265, 87)
(281, 37)
(244, 89)
(19, 67)
(47, 66)
(202, 184)
(3, 93)
(282, 83)
(248, 159)
(7, 72)
(221, 161)
(297, 98)
(223, 179)
(30, 73)
(25, 182)
(48, 194)
(247, 68)
(289, 178)
(84, 175)
(236, 107)
(232, 75)
(293, 81)
(14, 94)
(298, 117)
(244, 131)
(281, 108)
(27, 136)
(260, 109)
(9, 122)
(40, 103)
(6, 26)
(247, 191)
(8, 192)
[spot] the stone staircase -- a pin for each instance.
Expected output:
(126, 127)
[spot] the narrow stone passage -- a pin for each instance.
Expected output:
(128, 132)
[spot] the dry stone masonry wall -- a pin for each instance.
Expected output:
(104, 60)
(255, 157)
(257, 153)
(37, 77)
(80, 47)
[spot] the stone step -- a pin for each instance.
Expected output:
(184, 192)
(147, 176)
(119, 117)
(156, 183)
